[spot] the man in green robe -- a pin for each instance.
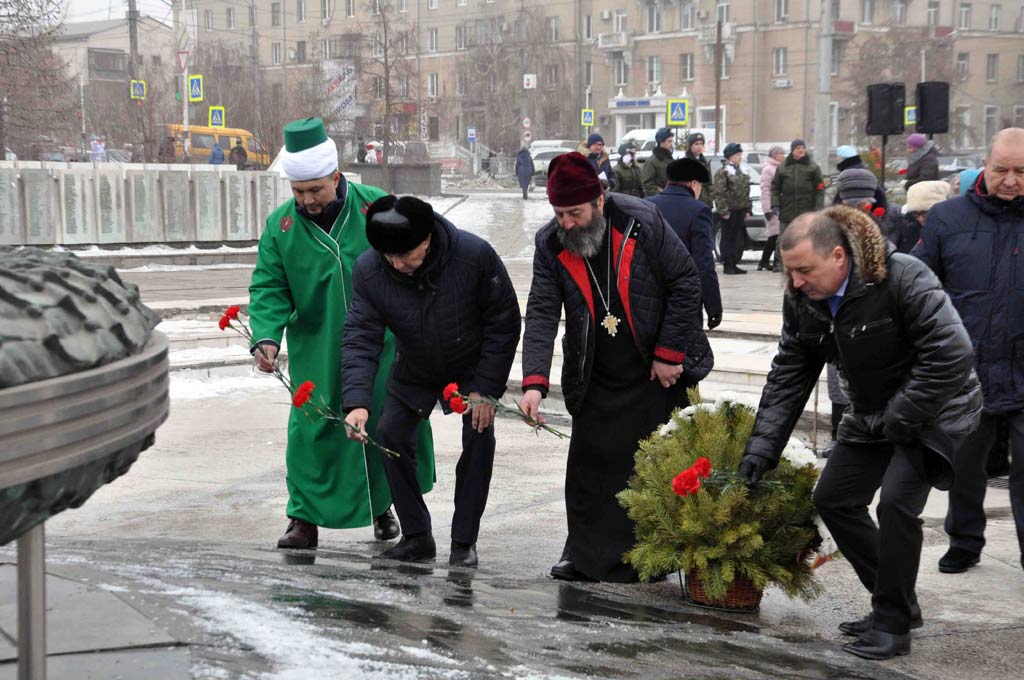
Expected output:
(302, 285)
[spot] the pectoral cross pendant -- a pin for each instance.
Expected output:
(611, 324)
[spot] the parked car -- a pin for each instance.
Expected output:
(541, 158)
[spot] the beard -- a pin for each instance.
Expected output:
(585, 241)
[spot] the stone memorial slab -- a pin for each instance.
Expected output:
(208, 206)
(111, 220)
(177, 205)
(238, 206)
(267, 198)
(39, 196)
(78, 219)
(144, 218)
(12, 231)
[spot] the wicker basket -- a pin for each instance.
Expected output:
(740, 596)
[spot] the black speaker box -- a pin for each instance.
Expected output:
(933, 107)
(885, 108)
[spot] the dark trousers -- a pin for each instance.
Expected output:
(396, 430)
(769, 250)
(731, 244)
(965, 518)
(885, 556)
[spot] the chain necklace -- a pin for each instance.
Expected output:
(610, 321)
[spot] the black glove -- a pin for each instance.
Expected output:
(714, 321)
(753, 468)
(900, 433)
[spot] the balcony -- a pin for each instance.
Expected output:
(843, 29)
(709, 33)
(613, 41)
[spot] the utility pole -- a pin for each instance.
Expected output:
(255, 47)
(133, 65)
(822, 121)
(718, 84)
(182, 38)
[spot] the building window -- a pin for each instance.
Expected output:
(431, 4)
(375, 7)
(780, 57)
(687, 15)
(964, 23)
(300, 52)
(325, 9)
(726, 62)
(460, 3)
(992, 68)
(1018, 116)
(1020, 20)
(588, 73)
(460, 37)
(933, 12)
(1020, 68)
(275, 53)
(432, 85)
(230, 17)
(654, 70)
(722, 11)
(588, 28)
(552, 25)
(350, 8)
(620, 70)
(300, 11)
(899, 12)
(377, 48)
(275, 14)
(653, 18)
(460, 84)
(325, 48)
(991, 122)
(553, 76)
(377, 87)
(963, 65)
(155, 60)
(432, 40)
(686, 66)
(706, 117)
(994, 13)
(208, 19)
(837, 56)
(867, 12)
(403, 5)
(619, 23)
(781, 11)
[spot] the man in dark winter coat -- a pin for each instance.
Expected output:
(973, 244)
(595, 153)
(524, 169)
(850, 159)
(627, 172)
(695, 151)
(653, 172)
(447, 298)
(922, 160)
(798, 186)
(238, 156)
(633, 343)
(883, 319)
(680, 205)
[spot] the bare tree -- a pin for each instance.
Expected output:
(36, 97)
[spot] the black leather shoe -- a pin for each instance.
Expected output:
(385, 526)
(862, 626)
(764, 267)
(299, 535)
(737, 270)
(878, 645)
(958, 560)
(419, 548)
(565, 570)
(463, 555)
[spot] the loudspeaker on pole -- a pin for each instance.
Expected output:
(886, 102)
(933, 107)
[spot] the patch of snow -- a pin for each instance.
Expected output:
(156, 249)
(194, 355)
(798, 454)
(729, 397)
(191, 385)
(181, 267)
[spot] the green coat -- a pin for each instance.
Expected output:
(302, 285)
(655, 172)
(628, 179)
(732, 192)
(797, 188)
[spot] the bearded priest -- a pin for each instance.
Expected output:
(633, 344)
(301, 288)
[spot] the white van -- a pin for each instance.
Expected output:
(644, 140)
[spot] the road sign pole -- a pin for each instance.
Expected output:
(184, 113)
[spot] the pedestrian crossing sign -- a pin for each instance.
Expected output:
(216, 116)
(678, 113)
(195, 88)
(587, 118)
(138, 89)
(910, 115)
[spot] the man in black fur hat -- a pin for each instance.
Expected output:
(448, 299)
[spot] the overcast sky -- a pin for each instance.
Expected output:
(100, 10)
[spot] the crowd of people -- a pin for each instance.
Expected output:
(927, 347)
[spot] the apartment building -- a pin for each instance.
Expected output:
(99, 50)
(488, 64)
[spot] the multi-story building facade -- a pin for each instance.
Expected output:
(452, 65)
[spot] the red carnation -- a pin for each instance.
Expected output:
(450, 390)
(232, 312)
(878, 212)
(878, 166)
(686, 482)
(458, 404)
(821, 185)
(703, 467)
(224, 322)
(302, 394)
(903, 171)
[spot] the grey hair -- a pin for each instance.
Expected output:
(1015, 134)
(823, 231)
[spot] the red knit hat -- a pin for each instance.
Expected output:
(572, 180)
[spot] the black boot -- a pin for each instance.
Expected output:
(862, 626)
(878, 645)
(463, 555)
(300, 535)
(385, 526)
(418, 548)
(958, 560)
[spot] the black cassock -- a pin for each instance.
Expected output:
(622, 406)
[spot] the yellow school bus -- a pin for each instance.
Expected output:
(202, 138)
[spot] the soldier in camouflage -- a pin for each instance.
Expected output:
(732, 196)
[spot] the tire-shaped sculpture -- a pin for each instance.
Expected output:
(83, 383)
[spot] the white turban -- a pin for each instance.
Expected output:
(312, 163)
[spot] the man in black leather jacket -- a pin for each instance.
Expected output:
(884, 320)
